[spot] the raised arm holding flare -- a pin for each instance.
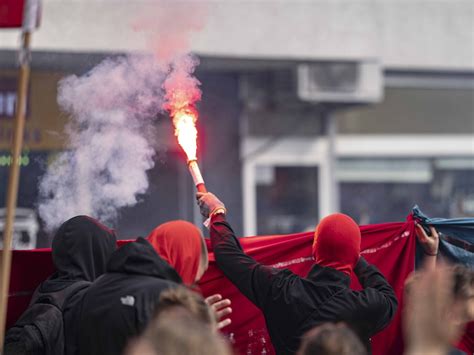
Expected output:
(292, 304)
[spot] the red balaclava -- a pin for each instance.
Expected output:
(337, 243)
(179, 244)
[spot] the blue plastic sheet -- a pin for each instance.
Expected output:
(456, 238)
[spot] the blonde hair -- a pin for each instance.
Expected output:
(186, 302)
(183, 324)
(175, 334)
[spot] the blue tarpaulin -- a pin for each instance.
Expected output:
(456, 237)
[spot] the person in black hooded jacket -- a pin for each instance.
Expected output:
(80, 250)
(291, 304)
(119, 305)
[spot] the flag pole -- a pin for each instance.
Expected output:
(14, 177)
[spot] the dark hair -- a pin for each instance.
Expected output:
(331, 339)
(463, 280)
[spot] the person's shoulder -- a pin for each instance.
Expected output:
(283, 276)
(75, 298)
(152, 285)
(112, 283)
(287, 283)
(369, 301)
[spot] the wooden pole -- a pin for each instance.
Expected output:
(13, 180)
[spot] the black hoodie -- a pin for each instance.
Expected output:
(119, 304)
(80, 251)
(81, 248)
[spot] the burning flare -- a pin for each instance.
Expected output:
(182, 92)
(184, 121)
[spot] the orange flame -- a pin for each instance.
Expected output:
(184, 122)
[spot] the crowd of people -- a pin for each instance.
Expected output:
(142, 298)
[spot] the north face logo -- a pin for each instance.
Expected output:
(128, 301)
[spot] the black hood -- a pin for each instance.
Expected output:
(80, 251)
(140, 258)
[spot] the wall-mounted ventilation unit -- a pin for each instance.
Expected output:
(345, 82)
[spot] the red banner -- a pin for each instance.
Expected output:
(390, 246)
(11, 13)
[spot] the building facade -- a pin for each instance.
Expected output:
(308, 107)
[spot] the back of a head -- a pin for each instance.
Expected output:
(81, 248)
(463, 290)
(463, 281)
(337, 243)
(181, 245)
(462, 285)
(177, 332)
(191, 303)
(331, 339)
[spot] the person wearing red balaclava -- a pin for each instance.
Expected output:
(291, 304)
(337, 243)
(119, 305)
(181, 245)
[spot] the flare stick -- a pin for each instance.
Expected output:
(196, 174)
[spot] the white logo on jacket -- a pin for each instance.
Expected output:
(128, 301)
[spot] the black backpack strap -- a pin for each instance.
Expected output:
(36, 294)
(58, 298)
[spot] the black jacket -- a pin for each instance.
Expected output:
(119, 304)
(80, 251)
(292, 304)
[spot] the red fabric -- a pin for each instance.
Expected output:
(11, 13)
(180, 244)
(390, 246)
(337, 243)
(466, 343)
(29, 269)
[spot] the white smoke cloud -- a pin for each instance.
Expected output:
(113, 109)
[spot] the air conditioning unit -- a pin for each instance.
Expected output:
(340, 81)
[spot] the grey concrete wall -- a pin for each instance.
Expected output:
(413, 111)
(417, 34)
